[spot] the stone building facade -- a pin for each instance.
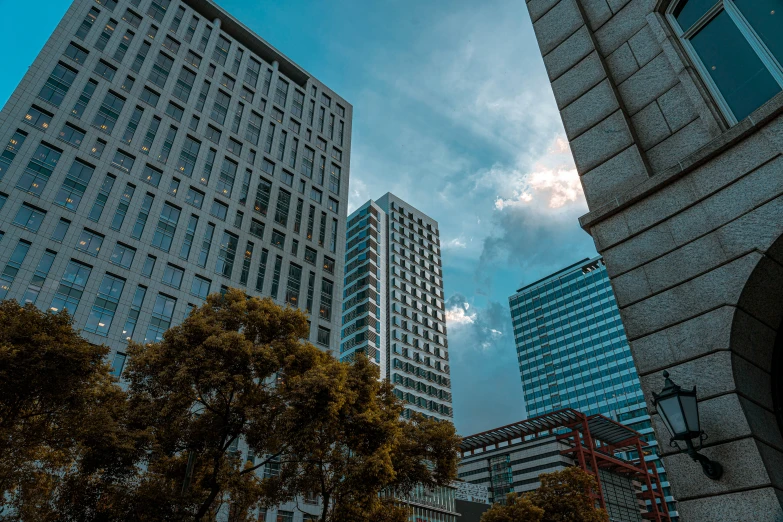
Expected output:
(675, 119)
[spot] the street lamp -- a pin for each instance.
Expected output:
(679, 410)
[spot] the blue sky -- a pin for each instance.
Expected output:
(453, 113)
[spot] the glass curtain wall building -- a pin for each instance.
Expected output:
(573, 352)
(157, 151)
(393, 305)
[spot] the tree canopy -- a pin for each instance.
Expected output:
(563, 496)
(230, 412)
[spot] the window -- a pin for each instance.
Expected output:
(105, 70)
(98, 148)
(12, 268)
(277, 114)
(278, 239)
(194, 121)
(213, 134)
(188, 156)
(202, 45)
(206, 244)
(149, 266)
(167, 226)
(122, 49)
(71, 287)
(227, 81)
(109, 4)
(237, 118)
(253, 133)
(308, 160)
(316, 195)
(294, 284)
(252, 72)
(190, 235)
(150, 97)
(74, 185)
(76, 53)
(222, 48)
(219, 210)
(227, 250)
(261, 270)
(283, 206)
(194, 197)
(281, 92)
(228, 171)
(149, 137)
(184, 85)
(294, 125)
(109, 112)
(337, 154)
(276, 276)
(234, 147)
(327, 287)
(302, 186)
(61, 230)
(200, 287)
(311, 255)
(141, 219)
(171, 44)
(38, 118)
(220, 107)
(90, 242)
(246, 94)
(71, 135)
(172, 276)
(29, 217)
(151, 175)
(140, 56)
(208, 164)
(157, 9)
(191, 29)
(123, 255)
(193, 59)
(133, 315)
(84, 99)
(211, 70)
(270, 136)
(133, 124)
(287, 178)
(248, 259)
(238, 54)
(39, 277)
(132, 18)
(737, 47)
(168, 143)
(123, 160)
(87, 23)
(334, 205)
(175, 111)
(340, 111)
(262, 197)
(106, 302)
(294, 247)
(162, 313)
(257, 228)
(122, 207)
(323, 336)
(238, 217)
(102, 198)
(245, 187)
(57, 84)
(328, 265)
(106, 35)
(297, 106)
(174, 186)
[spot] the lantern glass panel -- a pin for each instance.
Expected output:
(691, 409)
(672, 415)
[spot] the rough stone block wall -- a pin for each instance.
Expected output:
(688, 214)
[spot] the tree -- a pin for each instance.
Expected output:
(60, 416)
(565, 497)
(214, 380)
(350, 446)
(518, 508)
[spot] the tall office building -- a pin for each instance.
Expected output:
(393, 305)
(157, 151)
(573, 352)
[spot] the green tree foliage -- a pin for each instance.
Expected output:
(231, 390)
(348, 444)
(564, 496)
(61, 417)
(518, 508)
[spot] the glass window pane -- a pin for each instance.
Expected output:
(689, 11)
(766, 17)
(743, 80)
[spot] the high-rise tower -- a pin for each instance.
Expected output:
(159, 150)
(393, 305)
(573, 352)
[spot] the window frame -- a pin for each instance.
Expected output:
(746, 30)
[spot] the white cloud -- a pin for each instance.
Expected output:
(458, 315)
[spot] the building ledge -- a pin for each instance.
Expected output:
(750, 125)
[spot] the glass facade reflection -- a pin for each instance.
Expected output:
(573, 352)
